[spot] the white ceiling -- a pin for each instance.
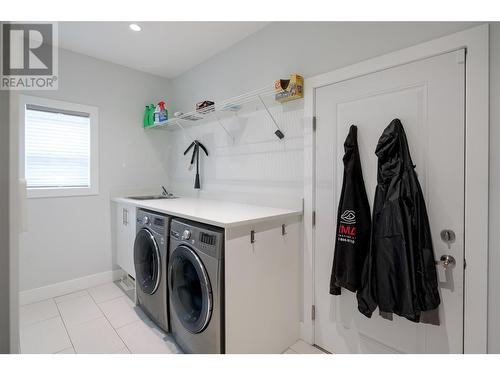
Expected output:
(167, 49)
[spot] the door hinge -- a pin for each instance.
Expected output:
(313, 312)
(314, 218)
(465, 264)
(314, 123)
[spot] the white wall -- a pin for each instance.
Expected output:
(308, 48)
(4, 221)
(494, 236)
(69, 237)
(14, 227)
(257, 168)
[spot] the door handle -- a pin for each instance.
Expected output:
(125, 216)
(447, 261)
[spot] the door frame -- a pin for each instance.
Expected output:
(476, 42)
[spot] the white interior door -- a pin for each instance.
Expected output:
(428, 97)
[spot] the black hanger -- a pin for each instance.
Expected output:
(196, 145)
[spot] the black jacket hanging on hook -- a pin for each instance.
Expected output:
(353, 222)
(400, 272)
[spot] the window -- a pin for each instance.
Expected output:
(60, 148)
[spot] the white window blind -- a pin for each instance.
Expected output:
(57, 148)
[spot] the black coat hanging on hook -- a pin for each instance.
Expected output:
(196, 145)
(352, 241)
(399, 275)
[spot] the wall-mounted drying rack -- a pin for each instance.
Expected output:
(249, 102)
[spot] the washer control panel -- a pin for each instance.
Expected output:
(155, 221)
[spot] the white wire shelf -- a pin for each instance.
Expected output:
(261, 99)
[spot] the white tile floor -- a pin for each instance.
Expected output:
(99, 320)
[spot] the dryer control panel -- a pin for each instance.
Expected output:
(205, 238)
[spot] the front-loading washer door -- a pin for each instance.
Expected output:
(147, 261)
(190, 289)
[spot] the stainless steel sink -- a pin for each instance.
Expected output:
(151, 197)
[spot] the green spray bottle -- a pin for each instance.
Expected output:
(151, 114)
(146, 116)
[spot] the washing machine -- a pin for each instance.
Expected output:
(196, 286)
(150, 261)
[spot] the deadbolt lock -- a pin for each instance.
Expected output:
(448, 236)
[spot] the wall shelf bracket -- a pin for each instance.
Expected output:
(223, 127)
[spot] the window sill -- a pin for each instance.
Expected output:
(60, 192)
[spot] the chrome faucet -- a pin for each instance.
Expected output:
(165, 193)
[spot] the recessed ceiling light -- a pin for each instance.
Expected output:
(135, 27)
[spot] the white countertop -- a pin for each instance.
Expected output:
(219, 213)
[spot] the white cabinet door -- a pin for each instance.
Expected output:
(428, 97)
(262, 284)
(125, 236)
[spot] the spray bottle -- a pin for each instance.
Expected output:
(161, 113)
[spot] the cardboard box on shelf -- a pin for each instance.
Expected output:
(289, 89)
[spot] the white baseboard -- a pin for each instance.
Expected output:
(66, 287)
